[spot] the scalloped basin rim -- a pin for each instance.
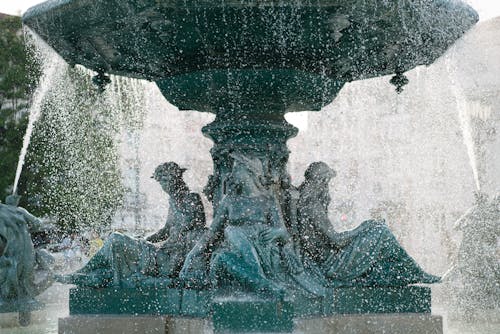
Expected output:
(53, 4)
(168, 41)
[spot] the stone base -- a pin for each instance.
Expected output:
(342, 324)
(401, 323)
(16, 319)
(108, 324)
(112, 324)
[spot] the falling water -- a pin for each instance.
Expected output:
(50, 63)
(465, 122)
(85, 130)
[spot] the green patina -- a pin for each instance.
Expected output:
(250, 62)
(18, 261)
(244, 313)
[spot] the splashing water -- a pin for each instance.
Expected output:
(77, 155)
(50, 63)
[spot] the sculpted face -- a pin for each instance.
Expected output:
(167, 182)
(169, 175)
(244, 181)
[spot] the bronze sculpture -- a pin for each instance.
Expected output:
(285, 57)
(248, 241)
(128, 262)
(368, 255)
(17, 261)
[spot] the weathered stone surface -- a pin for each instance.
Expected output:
(345, 324)
(373, 324)
(113, 324)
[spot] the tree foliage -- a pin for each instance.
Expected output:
(72, 172)
(18, 70)
(18, 75)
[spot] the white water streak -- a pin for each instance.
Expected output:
(465, 123)
(51, 65)
(464, 119)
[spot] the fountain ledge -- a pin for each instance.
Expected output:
(208, 311)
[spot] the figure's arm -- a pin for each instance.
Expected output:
(278, 229)
(293, 214)
(159, 236)
(198, 210)
(280, 233)
(164, 233)
(34, 223)
(337, 239)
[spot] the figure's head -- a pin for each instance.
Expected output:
(12, 200)
(169, 175)
(247, 175)
(319, 172)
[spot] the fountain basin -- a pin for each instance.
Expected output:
(314, 46)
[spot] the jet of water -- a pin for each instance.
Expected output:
(50, 63)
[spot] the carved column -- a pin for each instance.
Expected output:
(254, 134)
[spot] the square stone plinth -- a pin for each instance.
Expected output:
(109, 324)
(338, 324)
(399, 323)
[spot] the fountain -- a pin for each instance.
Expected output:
(249, 63)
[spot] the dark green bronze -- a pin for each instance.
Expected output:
(128, 262)
(311, 47)
(239, 313)
(368, 255)
(18, 260)
(250, 62)
(252, 250)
